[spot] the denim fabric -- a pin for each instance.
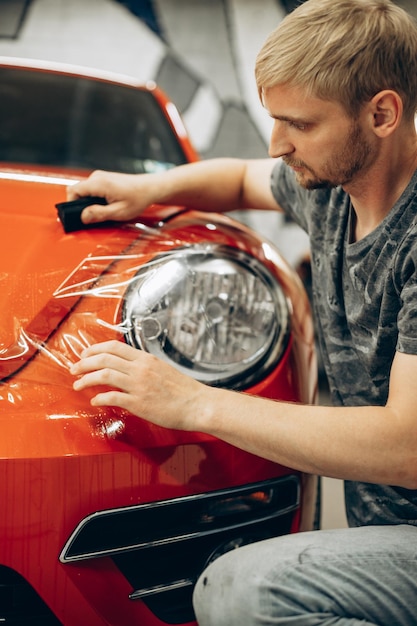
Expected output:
(348, 577)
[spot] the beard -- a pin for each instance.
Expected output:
(341, 168)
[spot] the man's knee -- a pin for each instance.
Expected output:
(240, 588)
(226, 592)
(307, 575)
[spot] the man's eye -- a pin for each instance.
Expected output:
(297, 125)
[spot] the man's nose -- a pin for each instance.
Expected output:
(279, 143)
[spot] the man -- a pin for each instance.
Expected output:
(339, 80)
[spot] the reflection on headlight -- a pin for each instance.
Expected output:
(158, 283)
(214, 312)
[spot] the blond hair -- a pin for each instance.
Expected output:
(345, 50)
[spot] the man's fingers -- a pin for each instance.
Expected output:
(94, 185)
(111, 398)
(95, 213)
(98, 361)
(100, 213)
(113, 347)
(105, 376)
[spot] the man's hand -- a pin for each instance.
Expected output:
(127, 195)
(140, 383)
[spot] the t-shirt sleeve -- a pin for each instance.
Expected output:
(406, 281)
(407, 327)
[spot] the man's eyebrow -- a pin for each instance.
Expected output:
(288, 118)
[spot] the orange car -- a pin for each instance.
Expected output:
(106, 519)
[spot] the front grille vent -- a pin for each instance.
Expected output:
(162, 547)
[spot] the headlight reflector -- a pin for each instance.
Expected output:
(213, 311)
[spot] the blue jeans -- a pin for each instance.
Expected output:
(347, 577)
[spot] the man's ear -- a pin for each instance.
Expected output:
(386, 108)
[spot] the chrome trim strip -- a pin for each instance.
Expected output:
(151, 591)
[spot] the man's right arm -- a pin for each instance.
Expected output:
(218, 185)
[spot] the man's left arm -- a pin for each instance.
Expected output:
(376, 444)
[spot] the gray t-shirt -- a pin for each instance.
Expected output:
(365, 304)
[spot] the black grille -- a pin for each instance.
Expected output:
(20, 605)
(162, 547)
(151, 571)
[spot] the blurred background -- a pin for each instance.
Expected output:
(202, 54)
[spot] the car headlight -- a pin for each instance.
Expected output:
(214, 312)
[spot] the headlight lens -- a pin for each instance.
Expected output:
(214, 312)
